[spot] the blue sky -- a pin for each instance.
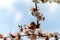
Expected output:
(14, 12)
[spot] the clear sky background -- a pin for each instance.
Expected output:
(14, 12)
